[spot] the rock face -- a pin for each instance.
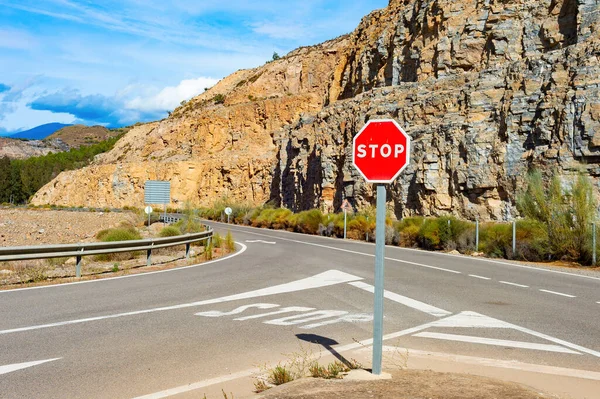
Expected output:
(485, 88)
(21, 149)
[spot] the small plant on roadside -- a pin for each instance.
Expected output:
(260, 386)
(217, 241)
(280, 375)
(208, 250)
(229, 243)
(115, 268)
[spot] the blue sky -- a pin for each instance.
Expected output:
(119, 62)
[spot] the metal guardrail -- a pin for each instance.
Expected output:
(80, 250)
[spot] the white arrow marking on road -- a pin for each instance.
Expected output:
(262, 241)
(496, 342)
(412, 303)
(325, 279)
(20, 366)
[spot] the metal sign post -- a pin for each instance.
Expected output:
(379, 274)
(380, 152)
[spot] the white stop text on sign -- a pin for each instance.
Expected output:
(385, 150)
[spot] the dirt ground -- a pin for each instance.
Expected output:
(406, 384)
(20, 227)
(44, 226)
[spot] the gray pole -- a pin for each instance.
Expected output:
(379, 273)
(514, 248)
(477, 235)
(344, 223)
(593, 244)
(227, 219)
(367, 229)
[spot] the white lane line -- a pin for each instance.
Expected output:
(262, 242)
(412, 303)
(426, 266)
(326, 279)
(479, 277)
(20, 366)
(421, 251)
(514, 284)
(191, 387)
(496, 342)
(241, 251)
(351, 252)
(559, 293)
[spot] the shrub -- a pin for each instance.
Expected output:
(169, 231)
(219, 99)
(125, 232)
(217, 241)
(496, 239)
(208, 250)
(308, 221)
(229, 243)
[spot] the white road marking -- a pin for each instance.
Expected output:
(20, 366)
(514, 284)
(306, 317)
(354, 252)
(241, 251)
(472, 320)
(280, 311)
(241, 309)
(202, 384)
(465, 257)
(325, 279)
(412, 303)
(348, 318)
(559, 293)
(496, 342)
(262, 242)
(479, 277)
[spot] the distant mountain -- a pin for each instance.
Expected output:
(75, 136)
(39, 132)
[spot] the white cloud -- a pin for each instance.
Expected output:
(170, 97)
(281, 31)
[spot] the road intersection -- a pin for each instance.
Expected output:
(132, 337)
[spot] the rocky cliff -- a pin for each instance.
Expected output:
(485, 88)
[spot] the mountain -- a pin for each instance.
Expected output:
(38, 132)
(485, 88)
(74, 136)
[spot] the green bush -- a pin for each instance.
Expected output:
(123, 233)
(496, 239)
(169, 231)
(308, 222)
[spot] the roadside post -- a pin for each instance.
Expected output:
(514, 238)
(380, 152)
(346, 207)
(228, 212)
(148, 211)
(594, 244)
(477, 235)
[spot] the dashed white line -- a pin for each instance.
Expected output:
(559, 293)
(514, 284)
(479, 277)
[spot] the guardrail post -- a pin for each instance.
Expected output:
(187, 250)
(149, 256)
(78, 265)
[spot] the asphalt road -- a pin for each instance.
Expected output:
(135, 336)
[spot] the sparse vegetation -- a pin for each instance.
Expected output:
(219, 99)
(169, 231)
(229, 243)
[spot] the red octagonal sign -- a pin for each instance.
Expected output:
(381, 150)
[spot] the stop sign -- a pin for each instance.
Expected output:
(381, 150)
